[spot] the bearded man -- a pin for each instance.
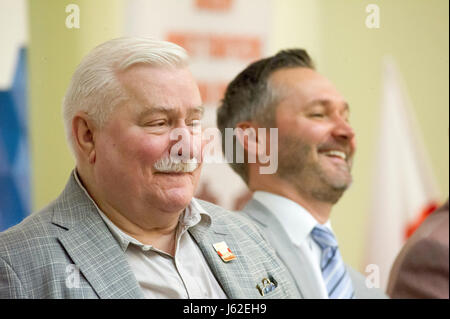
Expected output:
(316, 145)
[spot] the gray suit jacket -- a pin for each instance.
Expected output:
(297, 264)
(421, 268)
(38, 256)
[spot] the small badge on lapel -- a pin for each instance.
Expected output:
(267, 286)
(223, 251)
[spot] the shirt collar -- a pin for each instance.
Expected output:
(192, 215)
(296, 220)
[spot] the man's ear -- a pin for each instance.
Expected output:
(247, 135)
(83, 129)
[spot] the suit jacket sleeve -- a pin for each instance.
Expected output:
(10, 285)
(423, 272)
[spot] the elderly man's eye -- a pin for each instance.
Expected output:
(317, 115)
(158, 123)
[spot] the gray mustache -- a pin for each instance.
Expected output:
(176, 165)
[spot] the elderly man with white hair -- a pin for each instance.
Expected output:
(126, 225)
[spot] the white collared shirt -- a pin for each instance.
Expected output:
(298, 224)
(160, 275)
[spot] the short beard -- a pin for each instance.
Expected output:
(296, 166)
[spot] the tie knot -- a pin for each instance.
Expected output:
(323, 237)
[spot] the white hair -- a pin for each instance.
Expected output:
(94, 88)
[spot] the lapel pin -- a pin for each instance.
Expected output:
(223, 251)
(267, 286)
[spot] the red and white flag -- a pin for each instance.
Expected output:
(404, 189)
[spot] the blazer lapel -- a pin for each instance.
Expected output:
(205, 238)
(92, 247)
(227, 274)
(297, 263)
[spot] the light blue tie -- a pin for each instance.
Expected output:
(334, 273)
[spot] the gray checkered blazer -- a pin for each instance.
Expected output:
(38, 256)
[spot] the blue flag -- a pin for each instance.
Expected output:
(15, 195)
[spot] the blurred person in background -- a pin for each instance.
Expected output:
(421, 268)
(316, 145)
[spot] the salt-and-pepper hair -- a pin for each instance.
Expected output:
(95, 89)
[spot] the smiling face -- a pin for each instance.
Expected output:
(316, 142)
(137, 136)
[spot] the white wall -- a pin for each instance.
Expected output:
(13, 35)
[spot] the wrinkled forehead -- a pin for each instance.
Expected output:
(143, 80)
(161, 89)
